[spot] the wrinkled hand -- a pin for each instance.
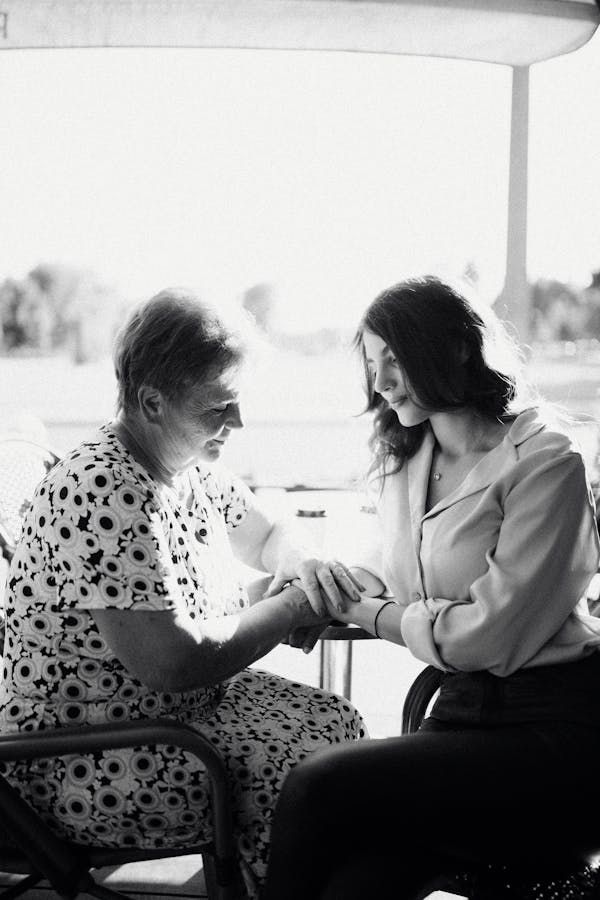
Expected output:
(327, 585)
(306, 637)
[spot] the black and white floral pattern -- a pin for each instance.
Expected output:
(102, 533)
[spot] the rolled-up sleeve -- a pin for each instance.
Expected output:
(544, 557)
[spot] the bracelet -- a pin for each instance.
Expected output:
(379, 611)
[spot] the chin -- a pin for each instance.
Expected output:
(410, 415)
(211, 452)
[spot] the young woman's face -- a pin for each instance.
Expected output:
(199, 426)
(390, 382)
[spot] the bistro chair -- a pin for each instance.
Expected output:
(23, 464)
(577, 877)
(30, 847)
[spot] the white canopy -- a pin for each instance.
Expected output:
(500, 31)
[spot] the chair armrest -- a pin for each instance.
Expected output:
(418, 698)
(118, 735)
(7, 546)
(340, 631)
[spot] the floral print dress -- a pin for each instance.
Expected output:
(101, 532)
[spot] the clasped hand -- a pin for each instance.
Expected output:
(329, 587)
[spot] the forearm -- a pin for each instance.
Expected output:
(227, 644)
(382, 618)
(171, 652)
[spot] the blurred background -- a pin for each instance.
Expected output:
(295, 186)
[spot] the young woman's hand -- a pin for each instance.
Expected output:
(329, 585)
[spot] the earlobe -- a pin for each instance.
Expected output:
(150, 403)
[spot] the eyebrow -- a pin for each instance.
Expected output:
(208, 399)
(228, 397)
(225, 394)
(385, 350)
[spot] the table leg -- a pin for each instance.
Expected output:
(335, 669)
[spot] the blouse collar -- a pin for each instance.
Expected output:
(481, 475)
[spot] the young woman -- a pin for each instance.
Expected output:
(489, 541)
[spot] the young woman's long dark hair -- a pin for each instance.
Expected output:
(445, 349)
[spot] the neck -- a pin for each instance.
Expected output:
(463, 431)
(148, 447)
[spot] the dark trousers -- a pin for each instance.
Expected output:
(383, 818)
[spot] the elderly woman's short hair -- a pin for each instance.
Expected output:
(172, 342)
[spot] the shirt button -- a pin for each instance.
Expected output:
(417, 596)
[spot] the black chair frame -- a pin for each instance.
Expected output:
(38, 853)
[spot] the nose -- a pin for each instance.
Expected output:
(383, 379)
(234, 419)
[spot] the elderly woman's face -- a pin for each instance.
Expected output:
(199, 426)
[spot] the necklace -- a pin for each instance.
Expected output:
(435, 473)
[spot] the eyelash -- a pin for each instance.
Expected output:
(373, 371)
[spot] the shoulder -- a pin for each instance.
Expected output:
(533, 433)
(541, 444)
(98, 470)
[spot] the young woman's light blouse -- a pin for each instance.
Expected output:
(493, 575)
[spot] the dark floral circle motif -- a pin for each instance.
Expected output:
(74, 713)
(76, 807)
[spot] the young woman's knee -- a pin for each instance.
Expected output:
(310, 784)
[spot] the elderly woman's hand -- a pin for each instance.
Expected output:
(327, 584)
(306, 637)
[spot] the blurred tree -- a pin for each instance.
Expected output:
(558, 311)
(59, 307)
(25, 316)
(260, 301)
(591, 296)
(471, 273)
(13, 331)
(315, 343)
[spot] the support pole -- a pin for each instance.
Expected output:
(514, 302)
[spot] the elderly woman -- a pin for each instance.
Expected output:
(124, 601)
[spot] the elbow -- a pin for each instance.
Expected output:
(463, 659)
(162, 679)
(175, 674)
(464, 638)
(476, 653)
(458, 638)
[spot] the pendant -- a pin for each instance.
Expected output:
(437, 476)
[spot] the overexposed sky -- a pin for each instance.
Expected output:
(329, 174)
